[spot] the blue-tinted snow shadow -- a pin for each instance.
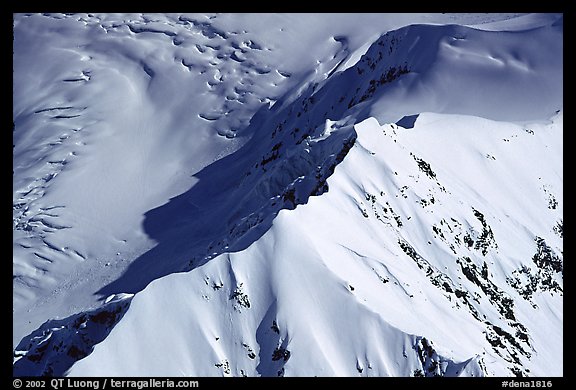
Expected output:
(57, 344)
(272, 345)
(233, 203)
(186, 228)
(407, 121)
(223, 212)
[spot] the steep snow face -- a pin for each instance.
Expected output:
(317, 241)
(114, 114)
(403, 255)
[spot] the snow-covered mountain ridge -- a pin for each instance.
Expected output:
(331, 240)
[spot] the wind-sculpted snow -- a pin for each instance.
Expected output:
(391, 252)
(114, 114)
(105, 106)
(296, 144)
(315, 236)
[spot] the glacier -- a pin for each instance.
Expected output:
(234, 195)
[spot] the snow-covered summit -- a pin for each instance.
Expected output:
(271, 218)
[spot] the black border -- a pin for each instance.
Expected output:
(366, 6)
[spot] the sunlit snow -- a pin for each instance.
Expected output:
(288, 194)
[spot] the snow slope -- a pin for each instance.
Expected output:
(300, 231)
(114, 114)
(344, 265)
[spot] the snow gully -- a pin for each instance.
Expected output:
(75, 383)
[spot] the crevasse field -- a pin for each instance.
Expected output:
(288, 194)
